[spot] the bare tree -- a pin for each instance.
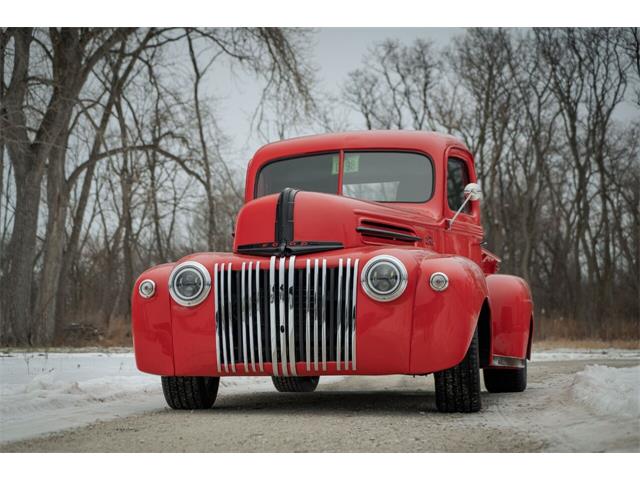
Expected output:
(73, 107)
(559, 173)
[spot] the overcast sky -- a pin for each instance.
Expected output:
(336, 52)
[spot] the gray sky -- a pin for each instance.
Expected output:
(336, 52)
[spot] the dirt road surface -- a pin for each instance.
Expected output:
(367, 414)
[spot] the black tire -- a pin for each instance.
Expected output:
(498, 380)
(190, 393)
(295, 384)
(458, 388)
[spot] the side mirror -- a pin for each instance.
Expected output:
(472, 192)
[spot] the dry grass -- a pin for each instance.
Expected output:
(610, 330)
(549, 333)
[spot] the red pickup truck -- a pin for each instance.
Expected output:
(354, 254)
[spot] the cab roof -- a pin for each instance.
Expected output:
(387, 139)
(432, 143)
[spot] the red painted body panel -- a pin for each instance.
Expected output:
(151, 324)
(511, 315)
(422, 331)
(444, 322)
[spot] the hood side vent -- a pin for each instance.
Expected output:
(379, 230)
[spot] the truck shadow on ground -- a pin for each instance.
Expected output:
(332, 402)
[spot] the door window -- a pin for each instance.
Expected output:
(457, 179)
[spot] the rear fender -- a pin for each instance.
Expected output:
(444, 322)
(511, 315)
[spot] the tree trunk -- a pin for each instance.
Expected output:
(44, 316)
(17, 282)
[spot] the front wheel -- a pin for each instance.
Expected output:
(295, 384)
(498, 380)
(458, 388)
(190, 393)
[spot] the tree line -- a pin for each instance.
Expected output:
(113, 158)
(553, 119)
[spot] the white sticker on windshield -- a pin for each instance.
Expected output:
(351, 163)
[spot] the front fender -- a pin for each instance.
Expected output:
(444, 322)
(151, 324)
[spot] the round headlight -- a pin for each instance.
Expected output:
(189, 283)
(384, 278)
(147, 288)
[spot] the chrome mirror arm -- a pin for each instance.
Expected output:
(471, 192)
(466, 200)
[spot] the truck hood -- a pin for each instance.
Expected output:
(297, 223)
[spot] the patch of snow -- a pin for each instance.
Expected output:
(608, 390)
(561, 354)
(46, 392)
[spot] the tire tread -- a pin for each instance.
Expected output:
(295, 384)
(458, 388)
(190, 393)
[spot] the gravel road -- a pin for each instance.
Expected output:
(367, 414)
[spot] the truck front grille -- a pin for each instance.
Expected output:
(272, 312)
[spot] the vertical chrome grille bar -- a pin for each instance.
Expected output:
(230, 318)
(354, 296)
(339, 316)
(281, 300)
(315, 314)
(324, 314)
(346, 315)
(308, 315)
(250, 315)
(243, 313)
(290, 315)
(217, 315)
(258, 319)
(272, 314)
(223, 318)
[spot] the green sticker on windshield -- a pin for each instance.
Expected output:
(336, 165)
(351, 163)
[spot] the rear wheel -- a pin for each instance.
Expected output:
(458, 388)
(498, 380)
(295, 384)
(190, 393)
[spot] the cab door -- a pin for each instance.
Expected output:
(465, 235)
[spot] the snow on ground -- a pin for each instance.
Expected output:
(609, 391)
(45, 392)
(559, 354)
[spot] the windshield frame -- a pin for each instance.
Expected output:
(341, 155)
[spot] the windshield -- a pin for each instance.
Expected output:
(314, 173)
(375, 176)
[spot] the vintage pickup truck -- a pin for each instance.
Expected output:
(354, 254)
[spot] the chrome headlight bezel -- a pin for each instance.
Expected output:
(371, 291)
(205, 288)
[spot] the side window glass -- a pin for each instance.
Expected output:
(457, 179)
